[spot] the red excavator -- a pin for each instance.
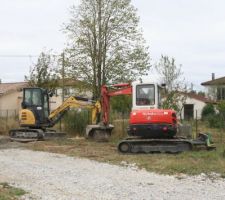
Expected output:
(151, 129)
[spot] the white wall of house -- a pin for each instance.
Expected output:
(11, 102)
(198, 106)
(211, 92)
(214, 92)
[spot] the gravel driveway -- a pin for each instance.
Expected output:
(54, 176)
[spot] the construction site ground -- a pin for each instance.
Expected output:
(74, 168)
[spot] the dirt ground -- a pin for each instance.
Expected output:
(65, 175)
(55, 176)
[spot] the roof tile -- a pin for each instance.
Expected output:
(9, 87)
(218, 81)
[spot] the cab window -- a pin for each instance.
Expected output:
(33, 97)
(145, 95)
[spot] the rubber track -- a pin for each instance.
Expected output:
(130, 145)
(26, 135)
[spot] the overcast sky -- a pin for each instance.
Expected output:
(191, 31)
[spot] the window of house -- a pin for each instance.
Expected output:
(220, 93)
(67, 92)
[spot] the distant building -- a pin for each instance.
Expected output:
(11, 97)
(71, 88)
(193, 106)
(215, 88)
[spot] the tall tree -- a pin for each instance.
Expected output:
(43, 74)
(105, 43)
(170, 73)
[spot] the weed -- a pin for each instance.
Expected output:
(8, 192)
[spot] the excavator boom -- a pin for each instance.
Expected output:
(75, 102)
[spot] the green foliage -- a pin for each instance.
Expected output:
(208, 110)
(200, 93)
(221, 108)
(8, 192)
(106, 44)
(171, 75)
(213, 120)
(43, 74)
(75, 121)
(121, 104)
(174, 100)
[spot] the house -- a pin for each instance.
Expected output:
(71, 88)
(193, 106)
(215, 88)
(11, 95)
(10, 98)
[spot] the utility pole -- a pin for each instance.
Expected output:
(63, 75)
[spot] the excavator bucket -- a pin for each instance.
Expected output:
(99, 132)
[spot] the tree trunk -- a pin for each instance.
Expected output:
(99, 78)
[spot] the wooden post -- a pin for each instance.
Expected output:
(7, 115)
(196, 124)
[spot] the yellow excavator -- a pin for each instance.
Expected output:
(35, 118)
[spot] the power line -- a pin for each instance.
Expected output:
(23, 56)
(18, 56)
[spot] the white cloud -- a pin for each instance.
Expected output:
(191, 31)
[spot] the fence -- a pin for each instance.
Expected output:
(8, 120)
(75, 123)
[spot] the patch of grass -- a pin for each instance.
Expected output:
(192, 163)
(8, 192)
(6, 124)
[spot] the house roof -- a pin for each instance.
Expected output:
(9, 87)
(218, 81)
(68, 82)
(197, 97)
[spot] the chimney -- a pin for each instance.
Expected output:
(213, 76)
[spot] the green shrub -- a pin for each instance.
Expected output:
(208, 111)
(75, 121)
(121, 104)
(221, 108)
(213, 120)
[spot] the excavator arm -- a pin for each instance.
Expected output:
(110, 91)
(75, 102)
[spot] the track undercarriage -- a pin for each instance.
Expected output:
(30, 135)
(174, 145)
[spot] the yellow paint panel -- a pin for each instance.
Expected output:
(26, 117)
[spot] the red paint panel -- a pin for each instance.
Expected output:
(153, 116)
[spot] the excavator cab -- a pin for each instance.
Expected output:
(147, 96)
(35, 108)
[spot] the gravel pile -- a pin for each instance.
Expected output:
(53, 176)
